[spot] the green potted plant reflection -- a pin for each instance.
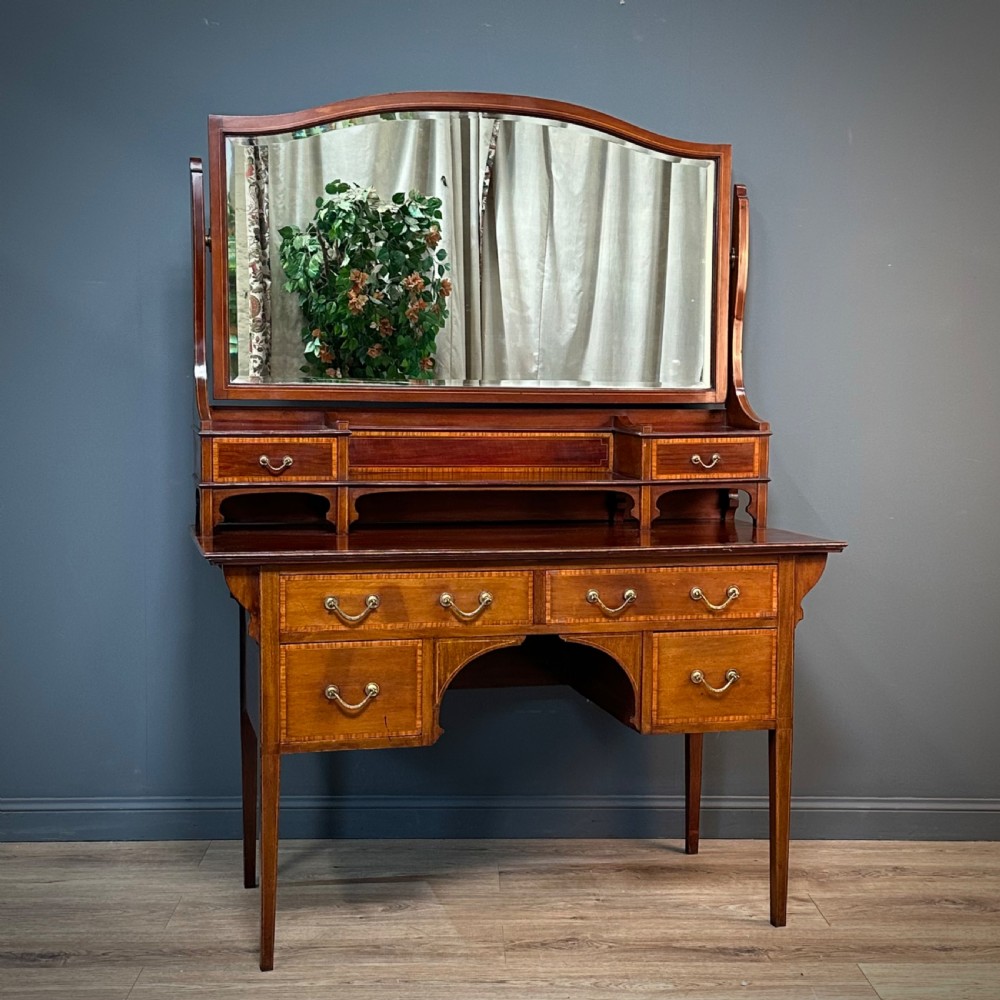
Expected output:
(371, 282)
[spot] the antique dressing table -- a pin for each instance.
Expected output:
(483, 422)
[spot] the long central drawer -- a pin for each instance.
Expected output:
(378, 602)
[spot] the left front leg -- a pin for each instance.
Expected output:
(693, 747)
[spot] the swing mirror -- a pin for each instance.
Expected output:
(447, 246)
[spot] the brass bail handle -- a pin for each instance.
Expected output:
(447, 601)
(332, 693)
(286, 463)
(732, 676)
(732, 594)
(710, 464)
(628, 597)
(372, 602)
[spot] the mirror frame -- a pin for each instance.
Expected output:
(222, 127)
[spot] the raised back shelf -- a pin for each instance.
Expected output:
(377, 453)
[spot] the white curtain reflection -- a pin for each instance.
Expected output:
(598, 262)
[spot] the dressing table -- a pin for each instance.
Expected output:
(554, 495)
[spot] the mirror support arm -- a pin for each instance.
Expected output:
(738, 407)
(200, 245)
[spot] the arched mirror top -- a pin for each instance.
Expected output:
(450, 247)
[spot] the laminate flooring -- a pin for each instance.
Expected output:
(499, 920)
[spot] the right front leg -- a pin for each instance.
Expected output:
(270, 773)
(693, 752)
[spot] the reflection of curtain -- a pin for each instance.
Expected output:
(439, 157)
(253, 262)
(598, 261)
(574, 257)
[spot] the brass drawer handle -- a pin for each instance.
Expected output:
(332, 693)
(732, 676)
(372, 601)
(731, 595)
(286, 463)
(447, 601)
(628, 597)
(698, 460)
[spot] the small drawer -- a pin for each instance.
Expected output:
(673, 593)
(351, 691)
(706, 458)
(725, 676)
(384, 601)
(272, 459)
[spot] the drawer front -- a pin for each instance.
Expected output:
(386, 601)
(435, 455)
(311, 711)
(676, 593)
(271, 459)
(706, 458)
(738, 665)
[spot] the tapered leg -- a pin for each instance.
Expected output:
(270, 774)
(248, 748)
(248, 768)
(693, 745)
(780, 773)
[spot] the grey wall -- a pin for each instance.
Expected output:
(867, 134)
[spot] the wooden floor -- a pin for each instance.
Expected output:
(498, 920)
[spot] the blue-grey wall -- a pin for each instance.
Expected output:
(868, 136)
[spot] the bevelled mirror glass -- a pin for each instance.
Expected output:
(468, 247)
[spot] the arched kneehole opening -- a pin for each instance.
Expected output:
(550, 660)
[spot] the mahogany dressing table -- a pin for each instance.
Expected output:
(560, 475)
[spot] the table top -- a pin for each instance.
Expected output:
(552, 542)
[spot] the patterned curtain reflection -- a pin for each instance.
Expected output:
(253, 264)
